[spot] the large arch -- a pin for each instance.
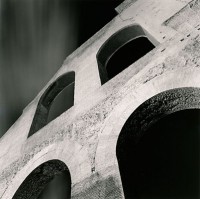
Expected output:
(108, 136)
(43, 115)
(40, 182)
(122, 49)
(145, 159)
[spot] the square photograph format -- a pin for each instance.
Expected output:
(99, 99)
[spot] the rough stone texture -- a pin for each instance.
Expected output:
(85, 136)
(156, 108)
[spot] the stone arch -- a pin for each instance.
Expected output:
(128, 45)
(67, 152)
(41, 118)
(108, 136)
(48, 172)
(133, 133)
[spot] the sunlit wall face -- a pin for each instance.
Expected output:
(35, 38)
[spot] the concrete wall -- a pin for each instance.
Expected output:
(85, 136)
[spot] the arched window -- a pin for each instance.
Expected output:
(58, 97)
(50, 180)
(122, 49)
(158, 151)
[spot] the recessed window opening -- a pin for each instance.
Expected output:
(58, 98)
(62, 102)
(158, 153)
(50, 180)
(122, 49)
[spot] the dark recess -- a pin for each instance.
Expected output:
(164, 162)
(57, 98)
(127, 55)
(50, 180)
(122, 49)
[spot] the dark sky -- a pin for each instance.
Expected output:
(35, 38)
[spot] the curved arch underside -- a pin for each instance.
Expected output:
(158, 147)
(122, 49)
(60, 94)
(50, 180)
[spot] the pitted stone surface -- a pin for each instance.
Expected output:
(158, 107)
(81, 125)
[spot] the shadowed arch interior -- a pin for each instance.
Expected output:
(158, 147)
(58, 97)
(122, 49)
(50, 180)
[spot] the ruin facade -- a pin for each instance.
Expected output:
(140, 68)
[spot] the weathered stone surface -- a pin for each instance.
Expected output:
(165, 80)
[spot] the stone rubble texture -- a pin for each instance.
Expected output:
(84, 137)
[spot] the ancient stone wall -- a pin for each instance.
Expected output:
(84, 137)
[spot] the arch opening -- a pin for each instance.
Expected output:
(50, 180)
(158, 147)
(122, 49)
(58, 98)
